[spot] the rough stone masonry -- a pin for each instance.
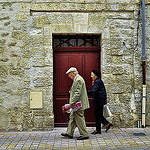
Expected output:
(26, 57)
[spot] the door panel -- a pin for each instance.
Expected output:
(61, 118)
(61, 64)
(61, 88)
(75, 60)
(91, 61)
(89, 114)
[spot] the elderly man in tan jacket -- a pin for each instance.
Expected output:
(78, 92)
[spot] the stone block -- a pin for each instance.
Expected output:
(38, 61)
(115, 43)
(128, 69)
(116, 108)
(12, 44)
(64, 19)
(3, 82)
(107, 59)
(22, 17)
(4, 34)
(51, 18)
(117, 60)
(38, 122)
(5, 18)
(16, 71)
(25, 63)
(117, 52)
(128, 88)
(48, 122)
(117, 69)
(18, 34)
(23, 6)
(62, 28)
(123, 79)
(4, 125)
(80, 28)
(34, 32)
(2, 41)
(81, 6)
(128, 60)
(118, 1)
(106, 69)
(41, 21)
(26, 53)
(3, 71)
(42, 82)
(38, 41)
(2, 49)
(117, 89)
(91, 7)
(47, 31)
(94, 29)
(114, 33)
(96, 19)
(125, 98)
(12, 100)
(47, 40)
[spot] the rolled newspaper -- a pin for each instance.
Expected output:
(68, 107)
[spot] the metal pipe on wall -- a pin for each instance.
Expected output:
(143, 65)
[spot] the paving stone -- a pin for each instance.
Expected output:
(120, 139)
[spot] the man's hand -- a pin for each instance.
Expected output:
(66, 107)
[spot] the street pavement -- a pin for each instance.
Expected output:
(114, 139)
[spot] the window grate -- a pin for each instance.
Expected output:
(76, 40)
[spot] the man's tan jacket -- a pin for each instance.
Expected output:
(78, 92)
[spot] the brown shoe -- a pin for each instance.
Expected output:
(96, 132)
(108, 127)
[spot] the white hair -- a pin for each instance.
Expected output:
(76, 72)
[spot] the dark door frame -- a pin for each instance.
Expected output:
(58, 49)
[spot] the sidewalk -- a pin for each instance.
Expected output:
(119, 139)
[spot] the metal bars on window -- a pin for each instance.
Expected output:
(76, 40)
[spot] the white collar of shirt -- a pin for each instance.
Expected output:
(75, 77)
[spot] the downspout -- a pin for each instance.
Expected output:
(143, 65)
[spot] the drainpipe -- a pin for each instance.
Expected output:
(143, 65)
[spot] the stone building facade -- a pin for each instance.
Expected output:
(26, 57)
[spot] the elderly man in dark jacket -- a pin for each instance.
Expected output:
(99, 100)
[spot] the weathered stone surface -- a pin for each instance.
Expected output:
(26, 57)
(3, 71)
(117, 89)
(41, 82)
(117, 69)
(116, 52)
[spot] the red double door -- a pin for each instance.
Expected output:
(85, 62)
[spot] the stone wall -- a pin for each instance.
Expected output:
(26, 57)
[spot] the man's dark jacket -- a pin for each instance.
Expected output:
(99, 93)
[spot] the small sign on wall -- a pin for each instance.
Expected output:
(36, 99)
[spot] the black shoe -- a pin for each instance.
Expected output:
(66, 135)
(96, 132)
(108, 127)
(82, 138)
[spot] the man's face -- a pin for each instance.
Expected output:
(93, 76)
(71, 75)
